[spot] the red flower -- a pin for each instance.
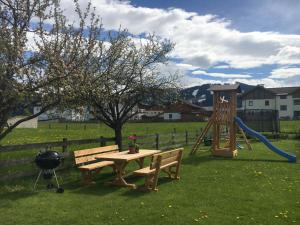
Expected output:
(133, 137)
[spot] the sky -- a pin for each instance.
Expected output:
(249, 41)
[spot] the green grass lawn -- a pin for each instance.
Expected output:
(257, 187)
(290, 126)
(58, 131)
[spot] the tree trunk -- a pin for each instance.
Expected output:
(118, 136)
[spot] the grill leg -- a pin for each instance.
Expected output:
(56, 178)
(37, 179)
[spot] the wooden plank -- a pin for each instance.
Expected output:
(22, 161)
(124, 156)
(92, 151)
(7, 148)
(24, 174)
(90, 158)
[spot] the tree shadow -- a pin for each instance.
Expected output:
(140, 191)
(15, 195)
(198, 159)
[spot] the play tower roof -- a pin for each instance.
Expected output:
(225, 87)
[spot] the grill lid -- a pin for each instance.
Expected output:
(48, 160)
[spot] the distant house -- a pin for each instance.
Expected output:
(32, 123)
(82, 114)
(149, 113)
(185, 111)
(285, 99)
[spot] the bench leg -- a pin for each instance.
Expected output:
(87, 177)
(150, 184)
(114, 169)
(155, 180)
(177, 171)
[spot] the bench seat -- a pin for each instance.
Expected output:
(165, 161)
(147, 170)
(96, 165)
(87, 163)
(144, 171)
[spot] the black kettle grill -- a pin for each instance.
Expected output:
(48, 161)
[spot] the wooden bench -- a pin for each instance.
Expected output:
(165, 162)
(85, 161)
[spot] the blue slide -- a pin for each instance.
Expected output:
(263, 139)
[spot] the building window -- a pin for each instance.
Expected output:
(283, 108)
(267, 103)
(170, 116)
(283, 96)
(297, 102)
(250, 103)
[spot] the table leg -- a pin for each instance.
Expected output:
(120, 181)
(140, 161)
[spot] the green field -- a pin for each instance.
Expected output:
(58, 131)
(258, 187)
(290, 126)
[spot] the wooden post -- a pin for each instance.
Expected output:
(186, 137)
(65, 145)
(173, 138)
(102, 141)
(157, 141)
(49, 125)
(66, 126)
(84, 127)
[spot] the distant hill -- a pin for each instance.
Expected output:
(199, 95)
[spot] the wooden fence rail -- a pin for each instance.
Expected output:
(64, 143)
(157, 141)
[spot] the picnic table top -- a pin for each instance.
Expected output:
(125, 156)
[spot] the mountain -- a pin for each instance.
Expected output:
(199, 95)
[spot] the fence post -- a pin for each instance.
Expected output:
(49, 125)
(66, 126)
(157, 141)
(173, 138)
(102, 141)
(84, 127)
(186, 137)
(65, 145)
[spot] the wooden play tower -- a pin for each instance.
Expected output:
(224, 112)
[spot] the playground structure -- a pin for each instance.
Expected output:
(224, 116)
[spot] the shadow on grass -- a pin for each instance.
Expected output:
(201, 158)
(141, 192)
(14, 195)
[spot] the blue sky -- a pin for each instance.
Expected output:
(250, 41)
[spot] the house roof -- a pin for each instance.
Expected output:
(183, 107)
(275, 91)
(225, 87)
(283, 90)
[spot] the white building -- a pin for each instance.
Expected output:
(286, 100)
(81, 114)
(152, 112)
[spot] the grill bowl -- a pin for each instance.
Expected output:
(48, 160)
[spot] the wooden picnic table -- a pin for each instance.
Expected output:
(121, 159)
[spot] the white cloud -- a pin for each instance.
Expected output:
(188, 81)
(186, 66)
(221, 75)
(201, 40)
(285, 72)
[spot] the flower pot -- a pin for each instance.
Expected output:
(131, 149)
